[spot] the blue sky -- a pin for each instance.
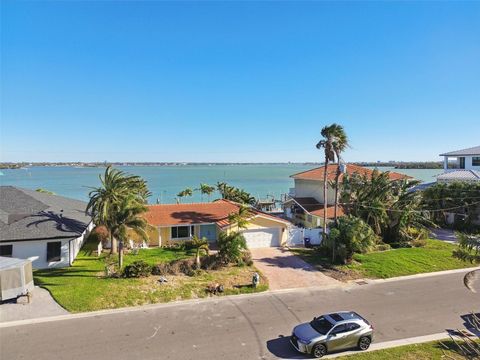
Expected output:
(237, 81)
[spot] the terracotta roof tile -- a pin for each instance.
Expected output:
(315, 208)
(317, 173)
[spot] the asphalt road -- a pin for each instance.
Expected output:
(245, 327)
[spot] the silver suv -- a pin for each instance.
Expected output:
(332, 332)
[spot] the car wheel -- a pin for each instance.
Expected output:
(364, 343)
(319, 350)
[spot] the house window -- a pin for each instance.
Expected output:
(182, 232)
(476, 161)
(54, 250)
(6, 250)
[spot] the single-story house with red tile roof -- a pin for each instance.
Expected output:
(179, 222)
(305, 205)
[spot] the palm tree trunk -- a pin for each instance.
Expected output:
(337, 180)
(113, 244)
(197, 259)
(325, 206)
(120, 255)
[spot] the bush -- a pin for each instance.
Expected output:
(418, 243)
(211, 262)
(137, 269)
(352, 235)
(231, 247)
(161, 269)
(247, 258)
(382, 247)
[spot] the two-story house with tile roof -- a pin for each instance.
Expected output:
(305, 204)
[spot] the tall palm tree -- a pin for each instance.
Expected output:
(106, 200)
(206, 189)
(128, 216)
(185, 192)
(339, 145)
(328, 133)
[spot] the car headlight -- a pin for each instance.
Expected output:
(304, 342)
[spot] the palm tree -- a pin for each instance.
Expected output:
(184, 193)
(339, 145)
(106, 200)
(128, 216)
(329, 135)
(200, 245)
(206, 189)
(240, 218)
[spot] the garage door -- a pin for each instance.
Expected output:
(265, 237)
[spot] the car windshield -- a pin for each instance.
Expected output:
(321, 325)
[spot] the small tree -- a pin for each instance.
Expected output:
(240, 218)
(200, 245)
(184, 193)
(351, 235)
(206, 189)
(231, 246)
(468, 247)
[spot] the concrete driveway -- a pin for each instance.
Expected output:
(42, 305)
(285, 270)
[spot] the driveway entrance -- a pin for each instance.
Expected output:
(285, 270)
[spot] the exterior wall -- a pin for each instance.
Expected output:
(152, 233)
(36, 250)
(166, 234)
(76, 244)
(313, 188)
(468, 162)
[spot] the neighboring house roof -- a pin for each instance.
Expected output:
(460, 175)
(318, 173)
(31, 215)
(216, 212)
(313, 207)
(464, 152)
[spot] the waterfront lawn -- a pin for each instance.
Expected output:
(435, 256)
(83, 286)
(425, 351)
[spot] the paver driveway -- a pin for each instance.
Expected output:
(285, 270)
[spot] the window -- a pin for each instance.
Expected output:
(6, 250)
(321, 325)
(340, 329)
(181, 232)
(54, 250)
(476, 161)
(352, 326)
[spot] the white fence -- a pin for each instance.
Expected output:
(296, 236)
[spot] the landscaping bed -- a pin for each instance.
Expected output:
(434, 256)
(84, 287)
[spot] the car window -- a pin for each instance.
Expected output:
(352, 326)
(321, 325)
(339, 329)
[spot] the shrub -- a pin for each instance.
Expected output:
(211, 262)
(161, 269)
(418, 243)
(247, 258)
(352, 235)
(382, 247)
(231, 247)
(137, 269)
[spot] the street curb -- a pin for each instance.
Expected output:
(416, 276)
(393, 344)
(344, 286)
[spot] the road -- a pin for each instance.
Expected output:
(244, 327)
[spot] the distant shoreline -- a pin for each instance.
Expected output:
(394, 164)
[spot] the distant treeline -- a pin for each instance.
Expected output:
(406, 164)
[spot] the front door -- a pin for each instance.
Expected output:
(462, 163)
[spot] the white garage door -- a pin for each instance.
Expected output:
(265, 237)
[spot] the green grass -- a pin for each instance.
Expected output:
(426, 351)
(435, 256)
(83, 286)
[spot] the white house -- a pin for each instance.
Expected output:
(47, 229)
(461, 165)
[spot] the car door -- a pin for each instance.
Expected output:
(351, 335)
(335, 339)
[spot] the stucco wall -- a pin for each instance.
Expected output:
(313, 188)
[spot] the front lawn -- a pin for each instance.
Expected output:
(83, 286)
(426, 351)
(435, 256)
